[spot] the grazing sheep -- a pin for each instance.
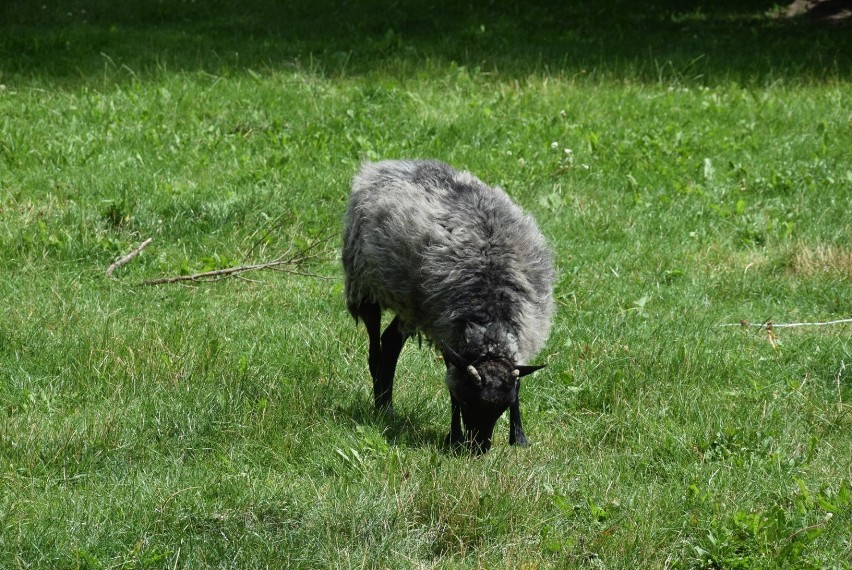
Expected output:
(458, 261)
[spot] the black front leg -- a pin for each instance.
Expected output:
(456, 436)
(516, 430)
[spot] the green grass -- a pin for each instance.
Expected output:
(230, 424)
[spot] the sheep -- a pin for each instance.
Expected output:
(459, 262)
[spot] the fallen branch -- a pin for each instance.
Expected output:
(126, 259)
(287, 263)
(770, 325)
(232, 272)
(278, 224)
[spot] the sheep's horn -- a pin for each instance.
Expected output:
(474, 373)
(453, 357)
(521, 371)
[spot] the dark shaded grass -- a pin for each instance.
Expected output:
(708, 42)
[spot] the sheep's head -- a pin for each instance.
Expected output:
(484, 389)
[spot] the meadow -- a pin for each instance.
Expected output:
(690, 164)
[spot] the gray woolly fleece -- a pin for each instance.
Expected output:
(453, 257)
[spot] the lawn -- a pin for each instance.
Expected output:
(691, 167)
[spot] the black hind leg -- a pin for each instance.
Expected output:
(371, 314)
(383, 353)
(392, 341)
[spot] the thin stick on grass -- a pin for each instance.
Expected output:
(218, 274)
(771, 325)
(823, 522)
(277, 224)
(127, 258)
(288, 262)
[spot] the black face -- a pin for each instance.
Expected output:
(484, 393)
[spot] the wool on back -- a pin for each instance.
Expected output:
(455, 258)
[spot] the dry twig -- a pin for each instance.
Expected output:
(275, 225)
(823, 522)
(126, 259)
(769, 325)
(288, 262)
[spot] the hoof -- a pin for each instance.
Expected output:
(453, 442)
(520, 442)
(386, 411)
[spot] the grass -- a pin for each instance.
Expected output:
(230, 424)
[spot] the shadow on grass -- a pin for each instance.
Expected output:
(399, 428)
(703, 40)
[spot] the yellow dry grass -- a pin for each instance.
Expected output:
(808, 260)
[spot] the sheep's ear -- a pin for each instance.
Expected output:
(453, 357)
(521, 371)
